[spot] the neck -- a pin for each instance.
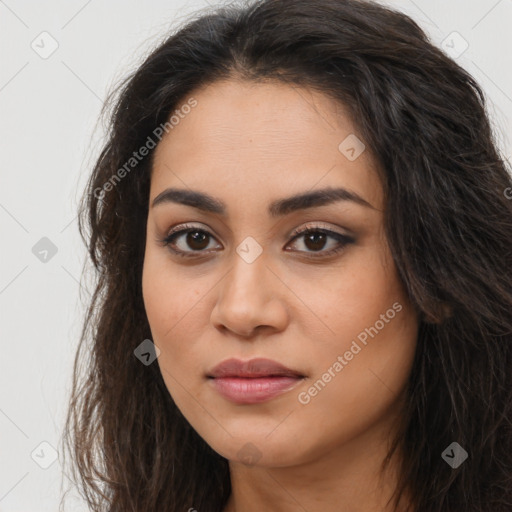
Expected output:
(348, 477)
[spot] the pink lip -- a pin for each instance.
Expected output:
(253, 381)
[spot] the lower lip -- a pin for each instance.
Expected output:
(252, 391)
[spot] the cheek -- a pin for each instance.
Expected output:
(343, 399)
(166, 305)
(167, 294)
(351, 296)
(373, 328)
(176, 310)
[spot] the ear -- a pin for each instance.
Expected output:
(441, 312)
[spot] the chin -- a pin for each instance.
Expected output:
(257, 448)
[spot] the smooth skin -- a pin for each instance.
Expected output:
(248, 144)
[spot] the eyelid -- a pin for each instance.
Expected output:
(341, 238)
(316, 225)
(180, 230)
(296, 231)
(184, 227)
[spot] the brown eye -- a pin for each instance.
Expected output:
(196, 240)
(186, 242)
(315, 240)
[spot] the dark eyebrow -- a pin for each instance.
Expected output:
(277, 208)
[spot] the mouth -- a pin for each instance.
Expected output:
(253, 381)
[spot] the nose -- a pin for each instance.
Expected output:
(250, 298)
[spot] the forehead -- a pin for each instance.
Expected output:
(260, 137)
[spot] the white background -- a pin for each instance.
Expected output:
(49, 138)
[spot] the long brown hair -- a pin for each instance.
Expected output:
(448, 219)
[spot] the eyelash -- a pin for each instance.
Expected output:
(343, 240)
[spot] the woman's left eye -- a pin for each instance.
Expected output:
(314, 239)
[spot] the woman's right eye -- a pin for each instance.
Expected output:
(195, 238)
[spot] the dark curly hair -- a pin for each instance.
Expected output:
(448, 220)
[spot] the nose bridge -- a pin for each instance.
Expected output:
(247, 279)
(246, 298)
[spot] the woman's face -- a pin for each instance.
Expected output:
(327, 305)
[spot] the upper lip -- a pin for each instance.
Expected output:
(259, 367)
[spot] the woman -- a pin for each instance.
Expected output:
(303, 240)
